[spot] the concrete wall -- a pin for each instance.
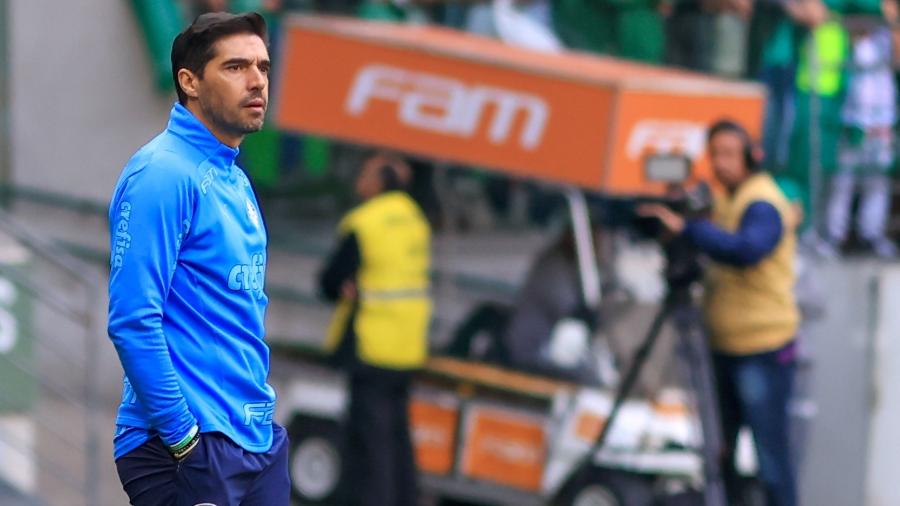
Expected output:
(854, 443)
(884, 440)
(833, 469)
(82, 94)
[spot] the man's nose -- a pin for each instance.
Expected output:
(256, 79)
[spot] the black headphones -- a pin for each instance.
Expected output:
(389, 179)
(726, 125)
(390, 172)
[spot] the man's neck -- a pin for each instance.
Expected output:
(223, 136)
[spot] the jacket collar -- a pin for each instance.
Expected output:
(184, 124)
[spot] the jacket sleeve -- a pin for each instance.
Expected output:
(341, 266)
(149, 215)
(757, 236)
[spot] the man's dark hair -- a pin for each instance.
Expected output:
(394, 171)
(195, 46)
(727, 125)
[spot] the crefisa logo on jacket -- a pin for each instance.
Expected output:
(121, 237)
(249, 277)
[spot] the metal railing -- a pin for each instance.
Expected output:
(61, 367)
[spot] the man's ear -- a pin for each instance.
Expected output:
(189, 83)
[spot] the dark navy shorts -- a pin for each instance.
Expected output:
(217, 472)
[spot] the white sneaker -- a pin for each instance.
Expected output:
(817, 246)
(883, 248)
(827, 250)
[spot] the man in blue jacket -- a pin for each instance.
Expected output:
(186, 289)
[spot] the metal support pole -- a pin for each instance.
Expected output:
(5, 129)
(92, 473)
(589, 273)
(814, 176)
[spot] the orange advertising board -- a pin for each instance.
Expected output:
(588, 426)
(648, 122)
(434, 434)
(503, 447)
(565, 118)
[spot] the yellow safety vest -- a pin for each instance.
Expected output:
(752, 309)
(831, 45)
(394, 307)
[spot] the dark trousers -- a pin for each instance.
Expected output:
(217, 472)
(380, 466)
(689, 35)
(754, 391)
(778, 119)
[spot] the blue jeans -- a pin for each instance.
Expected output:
(217, 471)
(754, 391)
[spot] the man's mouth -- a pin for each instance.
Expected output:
(256, 104)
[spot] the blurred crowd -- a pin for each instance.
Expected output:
(829, 67)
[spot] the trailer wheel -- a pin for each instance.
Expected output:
(315, 461)
(752, 492)
(604, 487)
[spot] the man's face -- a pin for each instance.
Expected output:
(726, 153)
(234, 91)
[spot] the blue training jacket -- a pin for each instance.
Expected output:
(186, 298)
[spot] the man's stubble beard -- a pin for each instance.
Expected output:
(217, 115)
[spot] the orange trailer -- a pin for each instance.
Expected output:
(566, 118)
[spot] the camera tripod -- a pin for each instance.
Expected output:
(682, 271)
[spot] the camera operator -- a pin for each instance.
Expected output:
(749, 307)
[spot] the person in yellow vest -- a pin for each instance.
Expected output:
(379, 276)
(749, 307)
